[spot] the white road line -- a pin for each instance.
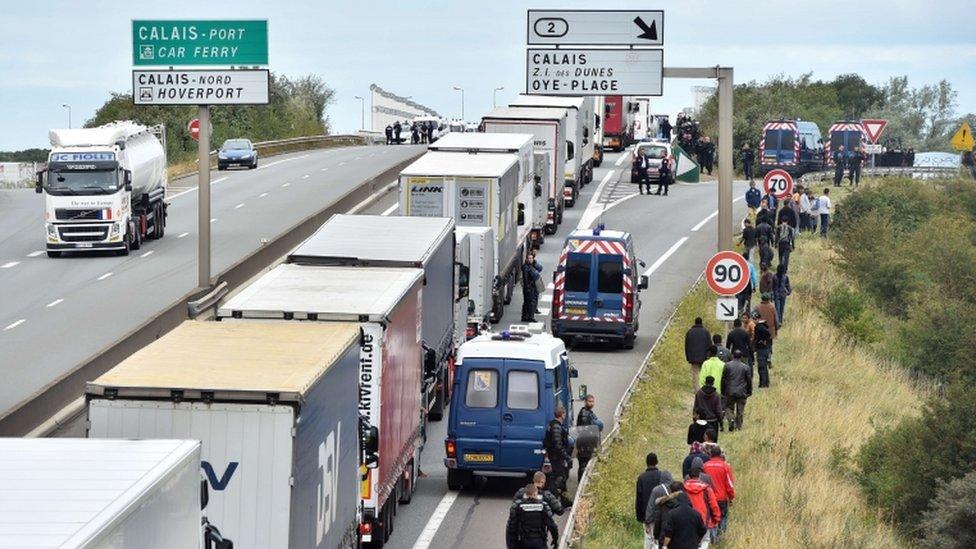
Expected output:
(305, 176)
(149, 253)
(9, 264)
(660, 261)
(703, 221)
(13, 325)
(343, 163)
(239, 206)
(213, 219)
(620, 161)
(283, 185)
(358, 158)
(35, 254)
(594, 208)
(262, 195)
(218, 180)
(214, 182)
(269, 164)
(550, 286)
(543, 311)
(182, 235)
(302, 156)
(391, 209)
(325, 169)
(545, 298)
(104, 276)
(54, 303)
(440, 513)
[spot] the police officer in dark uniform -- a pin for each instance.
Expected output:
(531, 271)
(854, 166)
(389, 134)
(840, 162)
(556, 445)
(664, 176)
(641, 164)
(530, 523)
(397, 128)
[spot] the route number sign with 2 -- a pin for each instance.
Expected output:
(727, 273)
(778, 183)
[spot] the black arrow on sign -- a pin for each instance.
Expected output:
(726, 311)
(648, 33)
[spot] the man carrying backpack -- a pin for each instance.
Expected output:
(784, 243)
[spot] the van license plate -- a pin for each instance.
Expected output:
(479, 458)
(576, 311)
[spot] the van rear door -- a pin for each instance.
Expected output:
(478, 424)
(576, 287)
(523, 415)
(609, 284)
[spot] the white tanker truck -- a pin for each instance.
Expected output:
(104, 188)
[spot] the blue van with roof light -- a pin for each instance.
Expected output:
(596, 293)
(506, 390)
(792, 145)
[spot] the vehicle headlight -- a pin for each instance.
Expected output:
(52, 232)
(116, 227)
(221, 154)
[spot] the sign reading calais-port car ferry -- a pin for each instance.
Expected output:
(182, 42)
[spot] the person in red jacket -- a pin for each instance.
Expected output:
(703, 500)
(724, 481)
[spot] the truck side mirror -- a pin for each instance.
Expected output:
(464, 277)
(642, 282)
(204, 493)
(582, 392)
(39, 182)
(127, 179)
(430, 361)
(570, 151)
(521, 214)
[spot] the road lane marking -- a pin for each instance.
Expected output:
(440, 513)
(9, 264)
(358, 158)
(545, 298)
(54, 303)
(550, 286)
(660, 261)
(343, 163)
(283, 185)
(594, 208)
(239, 206)
(325, 169)
(35, 254)
(182, 235)
(106, 275)
(262, 195)
(149, 253)
(214, 182)
(620, 161)
(543, 311)
(703, 221)
(302, 156)
(391, 209)
(305, 176)
(213, 219)
(276, 162)
(16, 323)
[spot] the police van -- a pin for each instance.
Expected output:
(596, 288)
(792, 145)
(507, 387)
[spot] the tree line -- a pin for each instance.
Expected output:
(922, 117)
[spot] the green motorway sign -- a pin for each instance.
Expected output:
(183, 42)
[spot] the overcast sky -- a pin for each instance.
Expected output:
(72, 52)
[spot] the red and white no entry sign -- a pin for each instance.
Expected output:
(194, 128)
(779, 183)
(727, 273)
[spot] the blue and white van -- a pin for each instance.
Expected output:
(507, 386)
(792, 145)
(596, 294)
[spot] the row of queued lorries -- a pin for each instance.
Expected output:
(798, 147)
(297, 417)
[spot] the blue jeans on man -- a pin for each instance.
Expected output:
(824, 224)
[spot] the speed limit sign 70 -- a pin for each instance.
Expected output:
(727, 273)
(779, 183)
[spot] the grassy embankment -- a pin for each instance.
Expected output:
(792, 466)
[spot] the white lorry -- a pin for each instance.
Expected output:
(477, 190)
(580, 124)
(548, 126)
(75, 493)
(532, 201)
(104, 188)
(480, 249)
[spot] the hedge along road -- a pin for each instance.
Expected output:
(55, 313)
(674, 236)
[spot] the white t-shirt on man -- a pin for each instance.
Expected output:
(824, 204)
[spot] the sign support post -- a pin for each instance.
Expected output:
(203, 208)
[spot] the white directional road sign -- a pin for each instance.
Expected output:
(779, 183)
(200, 87)
(727, 308)
(596, 28)
(727, 273)
(594, 72)
(873, 148)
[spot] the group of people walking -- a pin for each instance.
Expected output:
(420, 133)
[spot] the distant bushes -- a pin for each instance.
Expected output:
(911, 248)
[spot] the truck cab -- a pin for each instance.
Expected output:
(596, 288)
(508, 387)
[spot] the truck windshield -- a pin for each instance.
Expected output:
(61, 181)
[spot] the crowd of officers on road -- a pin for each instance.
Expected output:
(420, 133)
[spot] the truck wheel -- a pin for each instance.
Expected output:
(406, 488)
(628, 342)
(53, 254)
(509, 289)
(457, 480)
(436, 412)
(157, 231)
(559, 218)
(136, 238)
(497, 310)
(126, 242)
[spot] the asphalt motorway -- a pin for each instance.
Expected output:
(674, 236)
(57, 313)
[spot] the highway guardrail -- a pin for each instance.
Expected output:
(923, 172)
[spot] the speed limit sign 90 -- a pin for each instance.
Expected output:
(779, 183)
(727, 273)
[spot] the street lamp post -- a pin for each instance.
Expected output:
(66, 106)
(462, 100)
(363, 118)
(494, 96)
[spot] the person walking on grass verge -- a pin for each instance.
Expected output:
(683, 527)
(697, 341)
(721, 351)
(723, 480)
(708, 403)
(753, 200)
(696, 431)
(767, 311)
(651, 477)
(785, 243)
(740, 340)
(586, 417)
(814, 211)
(745, 296)
(712, 367)
(781, 290)
(824, 207)
(805, 204)
(703, 501)
(664, 500)
(764, 349)
(765, 278)
(696, 450)
(530, 523)
(749, 239)
(737, 384)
